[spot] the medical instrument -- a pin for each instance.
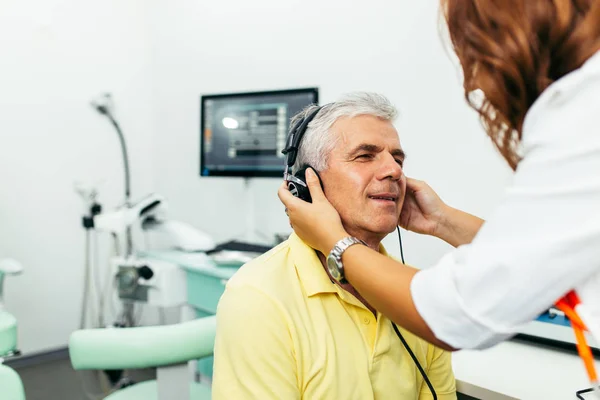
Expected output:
(159, 284)
(569, 304)
(135, 280)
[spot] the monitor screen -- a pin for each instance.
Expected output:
(243, 134)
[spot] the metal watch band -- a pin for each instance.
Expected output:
(336, 254)
(343, 244)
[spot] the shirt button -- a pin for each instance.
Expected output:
(366, 321)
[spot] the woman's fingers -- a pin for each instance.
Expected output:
(286, 197)
(314, 185)
(413, 185)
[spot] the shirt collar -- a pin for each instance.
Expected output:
(563, 86)
(310, 271)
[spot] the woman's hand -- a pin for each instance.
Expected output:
(423, 211)
(317, 223)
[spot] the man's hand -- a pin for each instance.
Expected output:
(423, 211)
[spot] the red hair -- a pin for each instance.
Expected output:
(512, 50)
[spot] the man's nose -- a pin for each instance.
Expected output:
(390, 169)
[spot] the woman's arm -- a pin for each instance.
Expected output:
(386, 286)
(458, 227)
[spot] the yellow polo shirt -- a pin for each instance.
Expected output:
(285, 331)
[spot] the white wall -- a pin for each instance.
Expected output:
(57, 56)
(157, 58)
(392, 47)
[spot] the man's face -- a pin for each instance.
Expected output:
(364, 180)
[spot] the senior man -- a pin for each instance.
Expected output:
(285, 328)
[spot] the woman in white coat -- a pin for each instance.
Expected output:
(538, 66)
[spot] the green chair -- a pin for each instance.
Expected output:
(8, 335)
(11, 387)
(169, 348)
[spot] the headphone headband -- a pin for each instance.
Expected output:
(295, 136)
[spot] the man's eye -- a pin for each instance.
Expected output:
(400, 162)
(365, 156)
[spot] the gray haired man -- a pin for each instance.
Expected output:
(285, 329)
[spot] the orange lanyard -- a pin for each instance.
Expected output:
(568, 305)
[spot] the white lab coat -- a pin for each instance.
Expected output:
(544, 238)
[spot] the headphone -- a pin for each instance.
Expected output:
(297, 182)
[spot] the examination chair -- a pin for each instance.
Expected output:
(167, 347)
(11, 387)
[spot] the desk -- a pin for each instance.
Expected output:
(519, 370)
(511, 370)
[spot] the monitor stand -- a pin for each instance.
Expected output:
(249, 240)
(248, 234)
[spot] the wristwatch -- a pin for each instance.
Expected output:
(334, 259)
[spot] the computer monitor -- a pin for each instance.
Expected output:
(243, 134)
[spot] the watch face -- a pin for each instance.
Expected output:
(332, 266)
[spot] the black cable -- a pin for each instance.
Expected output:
(400, 241)
(580, 392)
(412, 355)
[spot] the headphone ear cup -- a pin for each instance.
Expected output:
(300, 191)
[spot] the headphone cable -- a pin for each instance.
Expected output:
(412, 355)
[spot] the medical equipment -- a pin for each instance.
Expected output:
(135, 280)
(150, 213)
(553, 328)
(158, 284)
(169, 348)
(243, 134)
(155, 283)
